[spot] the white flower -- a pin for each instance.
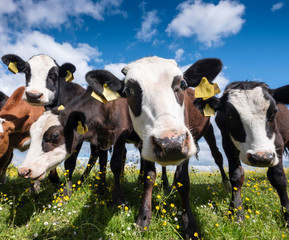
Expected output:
(69, 213)
(75, 233)
(176, 219)
(1, 208)
(35, 234)
(128, 228)
(27, 225)
(45, 223)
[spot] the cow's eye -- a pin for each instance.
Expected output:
(128, 91)
(183, 85)
(54, 136)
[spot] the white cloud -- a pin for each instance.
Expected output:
(208, 22)
(115, 69)
(179, 55)
(147, 31)
(53, 13)
(31, 43)
(277, 6)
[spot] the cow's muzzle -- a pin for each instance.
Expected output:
(33, 96)
(24, 172)
(171, 148)
(261, 159)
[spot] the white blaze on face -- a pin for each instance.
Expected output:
(39, 67)
(160, 110)
(252, 108)
(38, 161)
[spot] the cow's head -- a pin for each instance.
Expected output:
(52, 141)
(154, 88)
(246, 112)
(43, 76)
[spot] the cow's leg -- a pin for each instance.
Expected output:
(91, 162)
(116, 167)
(211, 140)
(53, 176)
(5, 161)
(145, 213)
(278, 180)
(182, 182)
(141, 171)
(102, 171)
(69, 166)
(165, 180)
(123, 164)
(236, 173)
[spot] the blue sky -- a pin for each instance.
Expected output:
(250, 37)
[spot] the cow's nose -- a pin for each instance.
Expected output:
(261, 159)
(33, 96)
(172, 148)
(24, 172)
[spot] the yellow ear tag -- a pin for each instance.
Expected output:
(99, 98)
(12, 67)
(81, 129)
(109, 94)
(206, 90)
(60, 108)
(208, 111)
(69, 76)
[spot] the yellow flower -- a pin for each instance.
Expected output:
(148, 177)
(157, 207)
(240, 207)
(257, 212)
(158, 196)
(145, 228)
(229, 212)
(125, 208)
(164, 223)
(249, 210)
(235, 188)
(66, 198)
(178, 226)
(217, 225)
(79, 182)
(172, 205)
(247, 216)
(196, 234)
(164, 210)
(179, 184)
(247, 199)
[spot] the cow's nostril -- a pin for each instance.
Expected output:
(33, 96)
(24, 172)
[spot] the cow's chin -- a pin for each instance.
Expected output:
(41, 177)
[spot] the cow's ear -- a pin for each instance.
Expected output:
(15, 63)
(66, 71)
(97, 79)
(281, 95)
(207, 67)
(74, 120)
(207, 107)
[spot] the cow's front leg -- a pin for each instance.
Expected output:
(237, 176)
(69, 166)
(182, 182)
(91, 162)
(102, 174)
(145, 213)
(278, 180)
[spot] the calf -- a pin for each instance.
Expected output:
(54, 137)
(160, 106)
(16, 118)
(47, 83)
(254, 127)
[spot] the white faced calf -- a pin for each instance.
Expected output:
(155, 89)
(42, 75)
(254, 130)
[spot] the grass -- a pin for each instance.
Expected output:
(86, 215)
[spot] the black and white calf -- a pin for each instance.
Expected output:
(44, 78)
(162, 114)
(255, 130)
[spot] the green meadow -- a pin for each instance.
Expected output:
(88, 215)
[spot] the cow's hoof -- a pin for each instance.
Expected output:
(144, 219)
(190, 227)
(227, 186)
